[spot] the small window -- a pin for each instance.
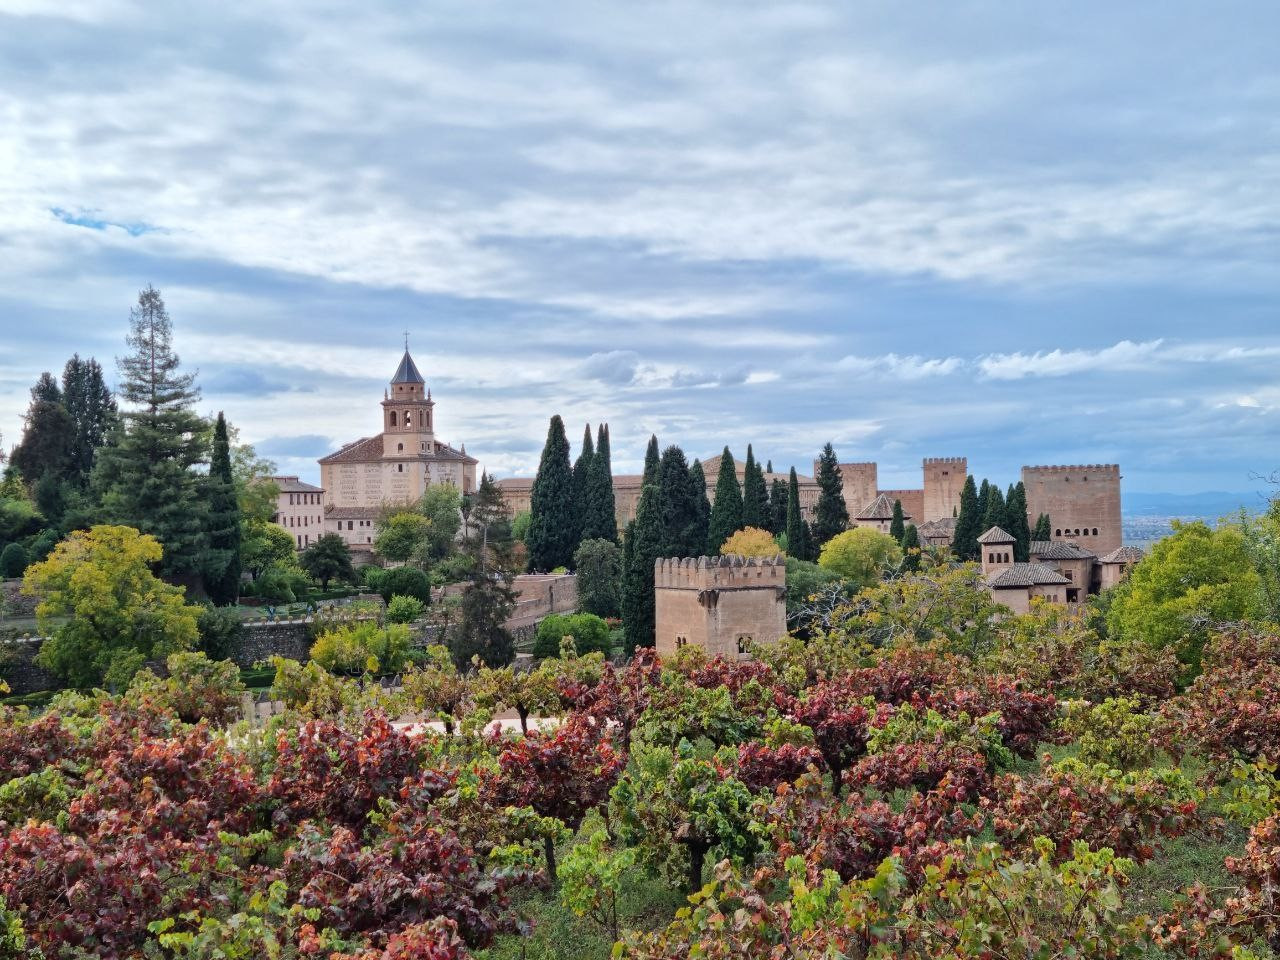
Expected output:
(408, 418)
(399, 447)
(1068, 574)
(399, 468)
(681, 641)
(744, 641)
(393, 418)
(1057, 533)
(1095, 531)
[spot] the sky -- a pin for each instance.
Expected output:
(1023, 233)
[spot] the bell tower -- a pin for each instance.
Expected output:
(408, 419)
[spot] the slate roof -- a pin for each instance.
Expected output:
(1123, 555)
(407, 372)
(294, 485)
(1026, 575)
(369, 449)
(1059, 550)
(997, 535)
(881, 508)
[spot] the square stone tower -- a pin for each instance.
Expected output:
(943, 481)
(860, 484)
(1083, 503)
(720, 604)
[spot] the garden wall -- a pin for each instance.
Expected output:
(16, 604)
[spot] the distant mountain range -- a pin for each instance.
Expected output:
(1208, 505)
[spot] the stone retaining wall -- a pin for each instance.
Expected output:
(16, 603)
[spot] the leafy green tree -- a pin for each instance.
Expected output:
(146, 476)
(1044, 528)
(582, 471)
(101, 607)
(13, 560)
(698, 489)
(898, 525)
(48, 431)
(726, 510)
(265, 545)
(329, 558)
(751, 542)
(1016, 518)
(222, 566)
(598, 564)
(911, 548)
(798, 545)
(994, 514)
(601, 522)
(755, 494)
(968, 523)
(441, 504)
(861, 555)
(488, 601)
(405, 582)
(520, 525)
(591, 881)
(92, 409)
(679, 504)
(831, 513)
(644, 543)
(1191, 580)
(552, 526)
(402, 537)
(652, 463)
(778, 506)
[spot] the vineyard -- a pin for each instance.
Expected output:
(1051, 794)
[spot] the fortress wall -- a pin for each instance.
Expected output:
(912, 503)
(860, 485)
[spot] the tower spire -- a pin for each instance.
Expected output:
(406, 341)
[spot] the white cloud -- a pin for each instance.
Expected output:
(1123, 356)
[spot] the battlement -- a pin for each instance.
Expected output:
(1108, 468)
(863, 464)
(706, 573)
(945, 461)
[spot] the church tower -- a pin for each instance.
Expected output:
(408, 427)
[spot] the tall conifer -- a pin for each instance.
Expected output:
(1016, 511)
(755, 495)
(46, 446)
(898, 525)
(222, 560)
(797, 530)
(778, 506)
(92, 409)
(994, 513)
(1044, 528)
(831, 513)
(698, 491)
(652, 463)
(911, 548)
(644, 545)
(146, 476)
(726, 509)
(582, 468)
(551, 536)
(678, 507)
(965, 543)
(602, 520)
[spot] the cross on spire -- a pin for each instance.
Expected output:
(406, 341)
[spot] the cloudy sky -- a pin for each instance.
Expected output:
(1026, 233)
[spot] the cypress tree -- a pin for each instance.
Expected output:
(755, 495)
(898, 526)
(222, 560)
(965, 544)
(769, 467)
(698, 491)
(678, 507)
(1016, 511)
(911, 548)
(797, 529)
(145, 475)
(652, 463)
(984, 492)
(778, 506)
(994, 513)
(644, 542)
(46, 446)
(831, 513)
(582, 468)
(602, 519)
(726, 509)
(92, 409)
(1044, 528)
(551, 540)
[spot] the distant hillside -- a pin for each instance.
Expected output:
(1210, 505)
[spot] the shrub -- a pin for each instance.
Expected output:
(275, 586)
(405, 582)
(308, 688)
(1115, 732)
(370, 574)
(1229, 713)
(196, 688)
(404, 609)
(590, 634)
(13, 560)
(362, 647)
(220, 629)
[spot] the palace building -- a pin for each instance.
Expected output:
(395, 466)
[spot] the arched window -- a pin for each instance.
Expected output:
(1057, 533)
(1095, 531)
(408, 418)
(393, 418)
(399, 447)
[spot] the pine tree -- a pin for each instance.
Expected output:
(898, 526)
(911, 548)
(222, 564)
(698, 491)
(551, 536)
(582, 468)
(644, 542)
(488, 601)
(965, 544)
(678, 507)
(92, 409)
(1044, 528)
(778, 507)
(994, 513)
(146, 475)
(755, 495)
(602, 520)
(797, 529)
(1016, 511)
(831, 513)
(726, 509)
(652, 463)
(46, 446)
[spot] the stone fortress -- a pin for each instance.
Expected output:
(720, 604)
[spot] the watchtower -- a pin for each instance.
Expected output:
(721, 604)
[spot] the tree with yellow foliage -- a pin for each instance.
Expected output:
(751, 542)
(861, 555)
(102, 609)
